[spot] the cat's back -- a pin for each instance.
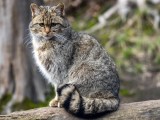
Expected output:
(87, 48)
(85, 44)
(92, 64)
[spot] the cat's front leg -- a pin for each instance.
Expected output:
(55, 101)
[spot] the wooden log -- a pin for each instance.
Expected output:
(146, 110)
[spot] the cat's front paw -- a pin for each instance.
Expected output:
(54, 103)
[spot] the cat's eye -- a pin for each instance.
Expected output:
(41, 24)
(54, 24)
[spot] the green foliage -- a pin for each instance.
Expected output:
(131, 48)
(103, 37)
(80, 24)
(4, 101)
(29, 104)
(126, 93)
(26, 103)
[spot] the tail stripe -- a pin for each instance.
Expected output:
(68, 100)
(59, 91)
(94, 108)
(81, 107)
(78, 105)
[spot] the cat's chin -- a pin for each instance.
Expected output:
(47, 37)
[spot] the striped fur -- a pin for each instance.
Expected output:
(74, 103)
(84, 76)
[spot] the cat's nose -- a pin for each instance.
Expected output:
(47, 30)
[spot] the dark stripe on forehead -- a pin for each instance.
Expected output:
(38, 19)
(47, 16)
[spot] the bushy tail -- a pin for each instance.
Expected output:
(74, 103)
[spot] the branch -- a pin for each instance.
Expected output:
(103, 19)
(146, 110)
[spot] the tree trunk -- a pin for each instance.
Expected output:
(18, 74)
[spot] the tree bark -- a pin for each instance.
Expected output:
(147, 110)
(18, 74)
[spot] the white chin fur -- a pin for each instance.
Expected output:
(47, 38)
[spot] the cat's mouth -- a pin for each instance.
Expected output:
(47, 37)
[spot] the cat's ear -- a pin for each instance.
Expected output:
(60, 9)
(34, 9)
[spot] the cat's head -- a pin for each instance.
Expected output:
(48, 22)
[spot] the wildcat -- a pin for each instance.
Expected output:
(84, 76)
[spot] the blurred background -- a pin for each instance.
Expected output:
(128, 29)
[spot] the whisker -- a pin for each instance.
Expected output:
(27, 41)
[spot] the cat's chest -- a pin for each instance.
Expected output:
(44, 60)
(52, 65)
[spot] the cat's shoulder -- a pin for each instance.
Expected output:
(84, 38)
